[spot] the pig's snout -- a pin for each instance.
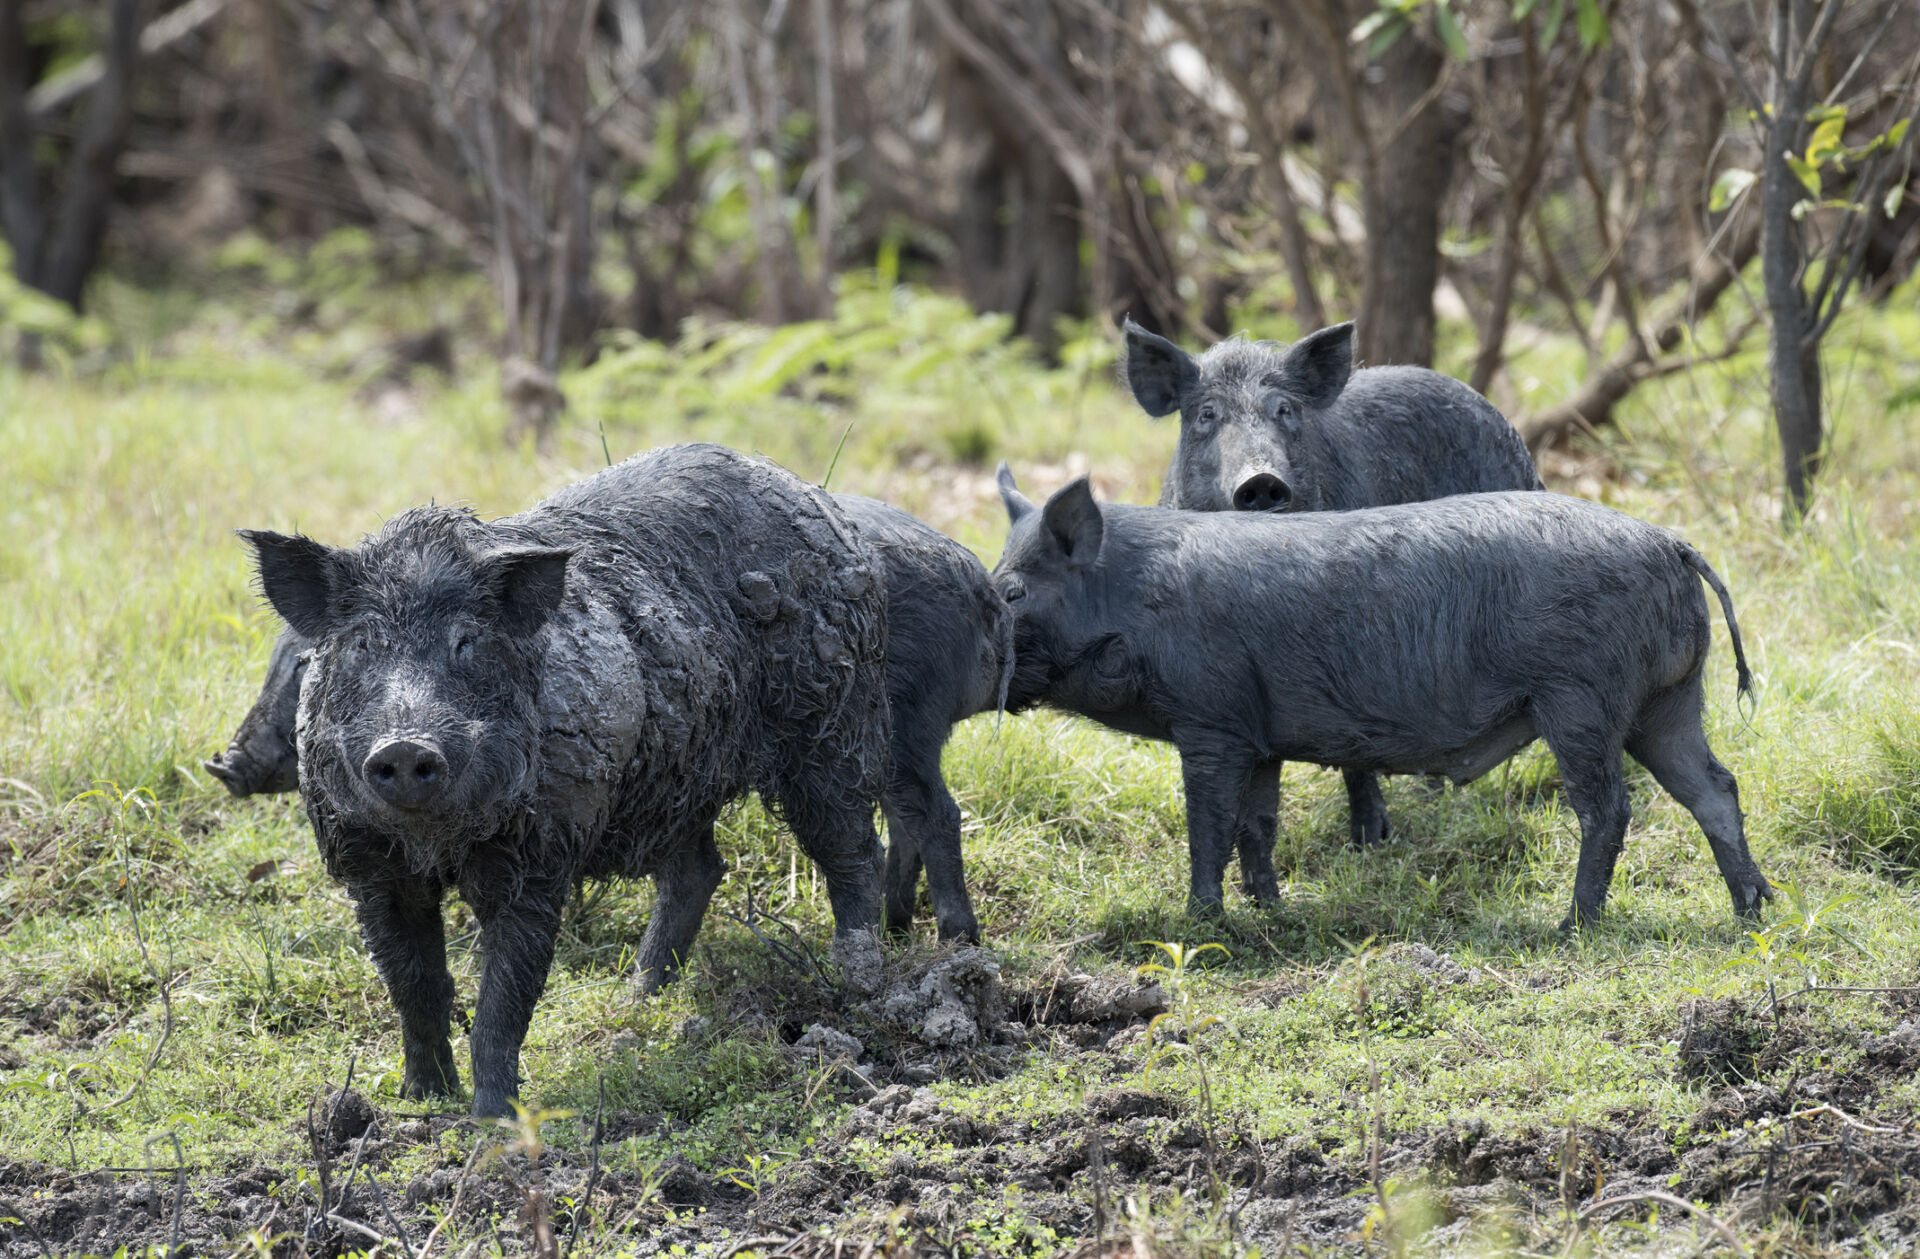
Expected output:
(406, 773)
(1263, 491)
(227, 768)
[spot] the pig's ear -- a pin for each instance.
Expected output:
(1018, 504)
(1159, 371)
(529, 585)
(300, 578)
(1073, 520)
(1317, 366)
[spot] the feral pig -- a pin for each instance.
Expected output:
(573, 693)
(261, 758)
(949, 655)
(1437, 637)
(949, 649)
(1277, 428)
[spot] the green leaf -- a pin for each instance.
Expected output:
(1894, 197)
(1363, 29)
(1820, 113)
(1381, 29)
(1521, 8)
(1556, 14)
(1806, 172)
(1594, 28)
(1825, 141)
(1897, 133)
(1383, 39)
(1450, 33)
(1728, 186)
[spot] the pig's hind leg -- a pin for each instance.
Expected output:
(1254, 832)
(1367, 823)
(1668, 739)
(839, 837)
(923, 824)
(683, 884)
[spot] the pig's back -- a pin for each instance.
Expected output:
(1406, 434)
(756, 623)
(1520, 585)
(948, 631)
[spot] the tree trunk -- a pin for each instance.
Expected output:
(1793, 368)
(55, 247)
(88, 195)
(1405, 181)
(22, 216)
(1018, 228)
(826, 211)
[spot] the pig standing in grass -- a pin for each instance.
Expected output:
(949, 651)
(949, 654)
(1437, 637)
(1271, 428)
(574, 692)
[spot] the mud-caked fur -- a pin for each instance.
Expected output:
(1271, 427)
(261, 757)
(949, 651)
(1429, 638)
(580, 689)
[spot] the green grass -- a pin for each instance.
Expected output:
(131, 641)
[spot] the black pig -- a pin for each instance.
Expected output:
(948, 653)
(261, 756)
(1295, 428)
(1429, 638)
(571, 693)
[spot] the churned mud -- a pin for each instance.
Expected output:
(1775, 1137)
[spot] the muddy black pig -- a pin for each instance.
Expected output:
(948, 655)
(506, 709)
(1265, 427)
(1431, 638)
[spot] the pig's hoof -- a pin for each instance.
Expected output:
(862, 966)
(497, 1107)
(1578, 920)
(420, 1085)
(1747, 898)
(960, 931)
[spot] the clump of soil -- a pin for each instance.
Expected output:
(954, 1004)
(1719, 1040)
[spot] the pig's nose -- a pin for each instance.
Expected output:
(405, 773)
(1262, 491)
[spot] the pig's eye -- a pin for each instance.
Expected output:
(1206, 417)
(1014, 591)
(1278, 407)
(463, 650)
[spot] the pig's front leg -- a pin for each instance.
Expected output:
(400, 922)
(1216, 778)
(516, 939)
